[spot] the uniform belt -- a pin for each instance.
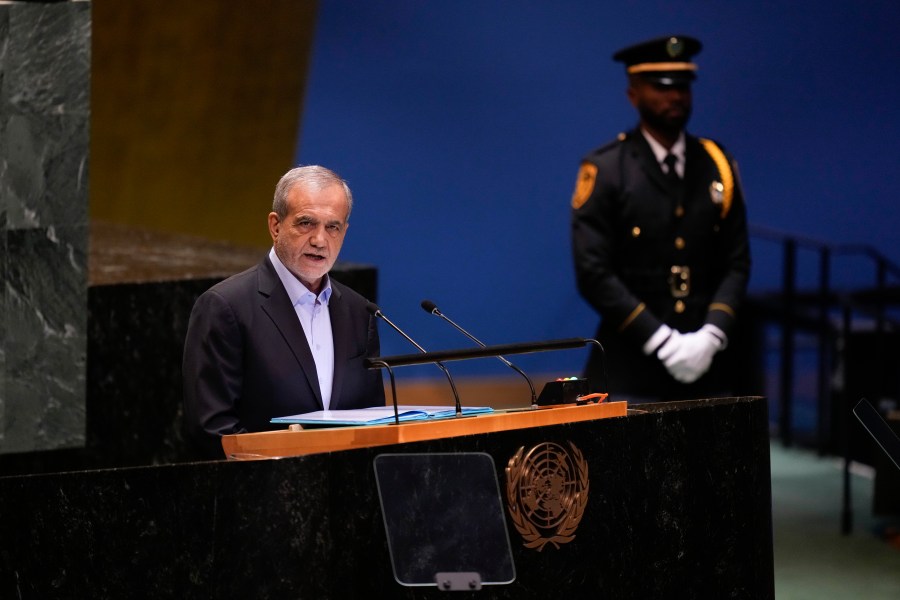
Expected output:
(678, 281)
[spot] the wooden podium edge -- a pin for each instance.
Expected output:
(284, 443)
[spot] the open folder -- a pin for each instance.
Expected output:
(378, 415)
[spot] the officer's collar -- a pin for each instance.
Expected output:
(660, 152)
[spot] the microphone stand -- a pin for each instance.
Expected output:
(430, 307)
(602, 361)
(390, 371)
(377, 312)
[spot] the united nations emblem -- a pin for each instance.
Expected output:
(546, 493)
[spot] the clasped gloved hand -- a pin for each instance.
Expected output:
(688, 356)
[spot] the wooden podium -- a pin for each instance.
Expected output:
(277, 444)
(665, 501)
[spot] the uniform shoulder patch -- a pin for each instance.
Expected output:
(584, 185)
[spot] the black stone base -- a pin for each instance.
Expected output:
(679, 506)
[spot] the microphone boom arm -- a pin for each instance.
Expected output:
(402, 360)
(430, 307)
(379, 362)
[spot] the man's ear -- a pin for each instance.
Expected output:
(274, 225)
(632, 95)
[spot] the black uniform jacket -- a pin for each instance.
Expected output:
(650, 251)
(246, 358)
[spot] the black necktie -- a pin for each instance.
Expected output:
(670, 160)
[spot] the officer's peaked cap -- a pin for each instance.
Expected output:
(665, 60)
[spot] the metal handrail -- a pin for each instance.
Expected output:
(863, 250)
(825, 302)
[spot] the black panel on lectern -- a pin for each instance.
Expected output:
(443, 514)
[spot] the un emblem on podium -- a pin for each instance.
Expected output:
(546, 493)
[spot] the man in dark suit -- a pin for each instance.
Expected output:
(660, 241)
(282, 338)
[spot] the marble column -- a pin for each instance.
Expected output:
(44, 140)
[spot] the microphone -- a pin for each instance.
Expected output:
(430, 307)
(375, 311)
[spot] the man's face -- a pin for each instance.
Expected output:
(310, 237)
(663, 107)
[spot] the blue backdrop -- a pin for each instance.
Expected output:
(460, 125)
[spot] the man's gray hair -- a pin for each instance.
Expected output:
(311, 176)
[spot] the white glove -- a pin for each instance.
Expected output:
(689, 359)
(660, 337)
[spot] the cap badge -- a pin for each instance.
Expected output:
(717, 192)
(674, 47)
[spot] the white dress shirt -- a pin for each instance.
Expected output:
(312, 310)
(660, 152)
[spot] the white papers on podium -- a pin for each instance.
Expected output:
(379, 415)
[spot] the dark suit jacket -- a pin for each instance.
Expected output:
(246, 359)
(629, 232)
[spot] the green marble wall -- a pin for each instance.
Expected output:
(44, 131)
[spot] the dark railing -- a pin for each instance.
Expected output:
(827, 310)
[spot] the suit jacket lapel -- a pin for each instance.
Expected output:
(693, 154)
(275, 302)
(648, 161)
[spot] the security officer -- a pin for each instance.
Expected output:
(659, 237)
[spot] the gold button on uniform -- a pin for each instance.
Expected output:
(679, 243)
(679, 306)
(679, 211)
(635, 231)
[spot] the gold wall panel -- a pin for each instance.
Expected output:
(195, 112)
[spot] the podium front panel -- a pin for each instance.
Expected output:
(670, 501)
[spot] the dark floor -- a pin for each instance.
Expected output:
(813, 560)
